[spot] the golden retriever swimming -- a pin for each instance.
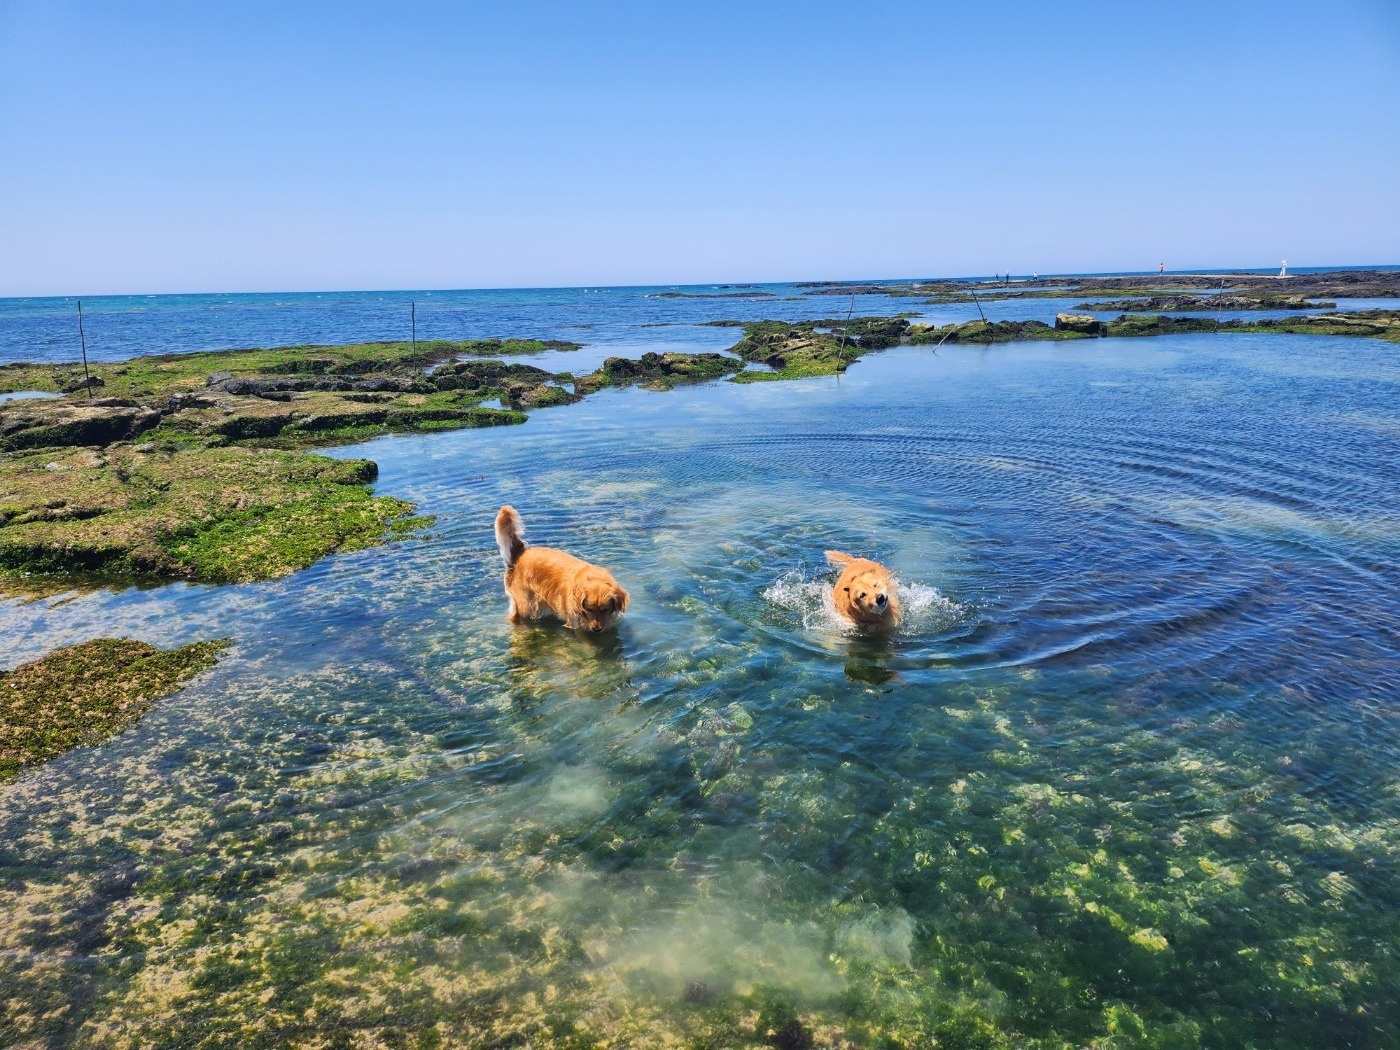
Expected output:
(864, 592)
(542, 580)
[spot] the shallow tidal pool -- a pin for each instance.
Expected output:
(1126, 776)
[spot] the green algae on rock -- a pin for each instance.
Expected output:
(801, 349)
(658, 371)
(491, 347)
(81, 695)
(1210, 302)
(168, 373)
(989, 332)
(216, 515)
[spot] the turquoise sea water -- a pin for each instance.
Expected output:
(1126, 776)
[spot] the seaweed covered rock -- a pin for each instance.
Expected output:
(1381, 324)
(794, 350)
(486, 375)
(276, 368)
(219, 515)
(659, 371)
(57, 423)
(83, 694)
(1161, 324)
(491, 347)
(988, 332)
(540, 395)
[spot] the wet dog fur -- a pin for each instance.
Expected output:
(542, 580)
(864, 592)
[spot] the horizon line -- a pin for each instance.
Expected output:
(1192, 272)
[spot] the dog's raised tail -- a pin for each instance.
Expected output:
(838, 559)
(509, 536)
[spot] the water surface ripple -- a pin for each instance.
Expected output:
(1127, 772)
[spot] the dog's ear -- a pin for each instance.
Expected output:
(620, 600)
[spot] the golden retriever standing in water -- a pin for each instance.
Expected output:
(541, 579)
(864, 592)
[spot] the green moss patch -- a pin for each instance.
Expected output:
(801, 349)
(217, 515)
(169, 373)
(658, 371)
(84, 694)
(509, 347)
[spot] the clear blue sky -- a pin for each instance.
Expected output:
(153, 147)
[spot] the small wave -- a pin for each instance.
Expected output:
(922, 606)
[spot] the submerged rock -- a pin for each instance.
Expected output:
(83, 694)
(792, 1036)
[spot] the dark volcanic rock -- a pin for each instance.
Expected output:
(477, 375)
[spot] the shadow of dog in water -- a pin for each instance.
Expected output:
(868, 659)
(546, 662)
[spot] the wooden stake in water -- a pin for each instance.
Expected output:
(83, 340)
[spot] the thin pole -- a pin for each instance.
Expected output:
(980, 311)
(413, 320)
(977, 301)
(841, 352)
(82, 338)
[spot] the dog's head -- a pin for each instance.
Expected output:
(871, 591)
(598, 600)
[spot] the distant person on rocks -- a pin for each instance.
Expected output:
(1161, 267)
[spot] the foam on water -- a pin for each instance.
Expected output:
(922, 607)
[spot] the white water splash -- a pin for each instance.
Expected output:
(922, 606)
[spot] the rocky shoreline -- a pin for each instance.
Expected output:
(198, 466)
(201, 467)
(1331, 284)
(1216, 302)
